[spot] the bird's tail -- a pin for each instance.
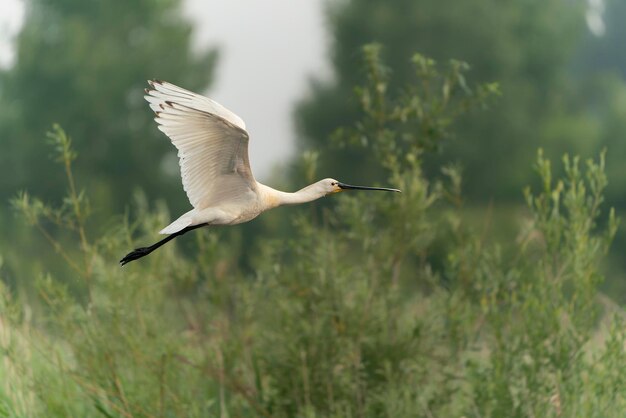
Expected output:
(179, 224)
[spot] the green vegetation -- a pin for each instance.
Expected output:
(525, 45)
(80, 65)
(84, 65)
(381, 307)
(563, 89)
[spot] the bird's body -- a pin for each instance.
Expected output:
(246, 207)
(212, 145)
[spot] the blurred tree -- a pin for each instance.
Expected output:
(526, 46)
(84, 64)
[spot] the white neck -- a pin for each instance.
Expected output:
(273, 197)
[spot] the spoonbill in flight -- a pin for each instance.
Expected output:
(212, 145)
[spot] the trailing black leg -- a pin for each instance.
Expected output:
(144, 251)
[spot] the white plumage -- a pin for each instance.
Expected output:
(212, 145)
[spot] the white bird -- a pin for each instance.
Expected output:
(212, 145)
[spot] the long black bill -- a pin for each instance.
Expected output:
(349, 186)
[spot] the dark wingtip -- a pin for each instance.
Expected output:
(153, 83)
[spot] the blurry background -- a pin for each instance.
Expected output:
(462, 296)
(288, 69)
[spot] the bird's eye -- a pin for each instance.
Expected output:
(334, 183)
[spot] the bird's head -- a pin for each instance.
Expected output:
(330, 186)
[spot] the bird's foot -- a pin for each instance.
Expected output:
(135, 254)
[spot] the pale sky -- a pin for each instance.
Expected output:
(11, 16)
(594, 17)
(268, 51)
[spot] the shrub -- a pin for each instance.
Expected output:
(383, 306)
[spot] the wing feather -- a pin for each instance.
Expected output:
(212, 144)
(163, 91)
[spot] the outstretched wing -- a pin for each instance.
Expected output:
(212, 144)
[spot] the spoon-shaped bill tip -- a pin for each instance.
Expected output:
(351, 187)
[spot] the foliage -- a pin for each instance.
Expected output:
(94, 84)
(384, 307)
(84, 64)
(398, 129)
(526, 45)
